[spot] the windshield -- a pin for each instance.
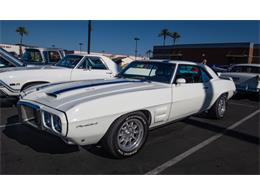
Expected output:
(32, 56)
(69, 61)
(151, 71)
(246, 69)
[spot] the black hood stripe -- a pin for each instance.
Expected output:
(53, 84)
(56, 93)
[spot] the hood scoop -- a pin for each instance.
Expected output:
(52, 95)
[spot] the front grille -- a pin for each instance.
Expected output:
(30, 114)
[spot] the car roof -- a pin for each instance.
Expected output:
(83, 55)
(170, 61)
(44, 49)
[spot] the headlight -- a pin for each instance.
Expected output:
(57, 123)
(52, 121)
(47, 119)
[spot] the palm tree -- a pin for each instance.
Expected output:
(148, 53)
(164, 33)
(174, 36)
(21, 30)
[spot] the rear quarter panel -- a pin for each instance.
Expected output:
(221, 86)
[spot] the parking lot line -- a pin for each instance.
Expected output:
(201, 145)
(238, 104)
(9, 125)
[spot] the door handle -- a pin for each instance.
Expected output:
(108, 72)
(205, 87)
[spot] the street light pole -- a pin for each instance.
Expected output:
(89, 35)
(136, 39)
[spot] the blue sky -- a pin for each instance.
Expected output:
(118, 36)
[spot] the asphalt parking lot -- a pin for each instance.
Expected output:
(196, 145)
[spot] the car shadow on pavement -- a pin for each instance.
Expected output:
(98, 150)
(39, 141)
(249, 96)
(231, 133)
(7, 102)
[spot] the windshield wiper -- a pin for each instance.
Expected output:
(120, 76)
(141, 78)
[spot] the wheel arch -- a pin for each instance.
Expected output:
(33, 83)
(148, 115)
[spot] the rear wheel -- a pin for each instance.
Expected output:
(126, 135)
(219, 108)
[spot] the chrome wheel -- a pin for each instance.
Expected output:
(222, 106)
(130, 135)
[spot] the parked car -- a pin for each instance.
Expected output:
(32, 57)
(71, 67)
(119, 112)
(42, 56)
(245, 76)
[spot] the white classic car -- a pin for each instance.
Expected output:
(119, 112)
(71, 67)
(245, 76)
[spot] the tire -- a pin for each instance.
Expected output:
(219, 108)
(127, 135)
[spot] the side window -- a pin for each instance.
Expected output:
(96, 63)
(53, 56)
(32, 56)
(85, 64)
(190, 73)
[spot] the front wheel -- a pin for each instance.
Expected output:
(127, 135)
(219, 108)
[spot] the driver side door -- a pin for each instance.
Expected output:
(190, 97)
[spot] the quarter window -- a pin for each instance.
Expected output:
(205, 76)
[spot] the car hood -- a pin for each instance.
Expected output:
(64, 96)
(31, 67)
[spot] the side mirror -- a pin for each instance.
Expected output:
(181, 81)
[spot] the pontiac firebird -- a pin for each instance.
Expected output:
(119, 112)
